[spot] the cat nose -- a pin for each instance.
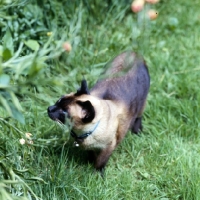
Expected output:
(51, 109)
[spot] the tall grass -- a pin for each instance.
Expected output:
(162, 162)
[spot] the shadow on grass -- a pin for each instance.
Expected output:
(77, 154)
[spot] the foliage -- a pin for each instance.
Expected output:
(161, 163)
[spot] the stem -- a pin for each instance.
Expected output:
(1, 119)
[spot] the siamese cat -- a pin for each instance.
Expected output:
(102, 116)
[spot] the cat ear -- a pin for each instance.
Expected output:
(88, 112)
(83, 89)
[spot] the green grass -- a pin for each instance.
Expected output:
(162, 163)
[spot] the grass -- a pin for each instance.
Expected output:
(163, 162)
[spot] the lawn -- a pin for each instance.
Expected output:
(161, 163)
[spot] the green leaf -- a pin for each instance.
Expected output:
(5, 105)
(173, 23)
(36, 179)
(16, 114)
(1, 51)
(7, 54)
(32, 44)
(15, 101)
(20, 171)
(4, 80)
(11, 109)
(8, 43)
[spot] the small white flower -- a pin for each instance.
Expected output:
(22, 141)
(30, 141)
(28, 135)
